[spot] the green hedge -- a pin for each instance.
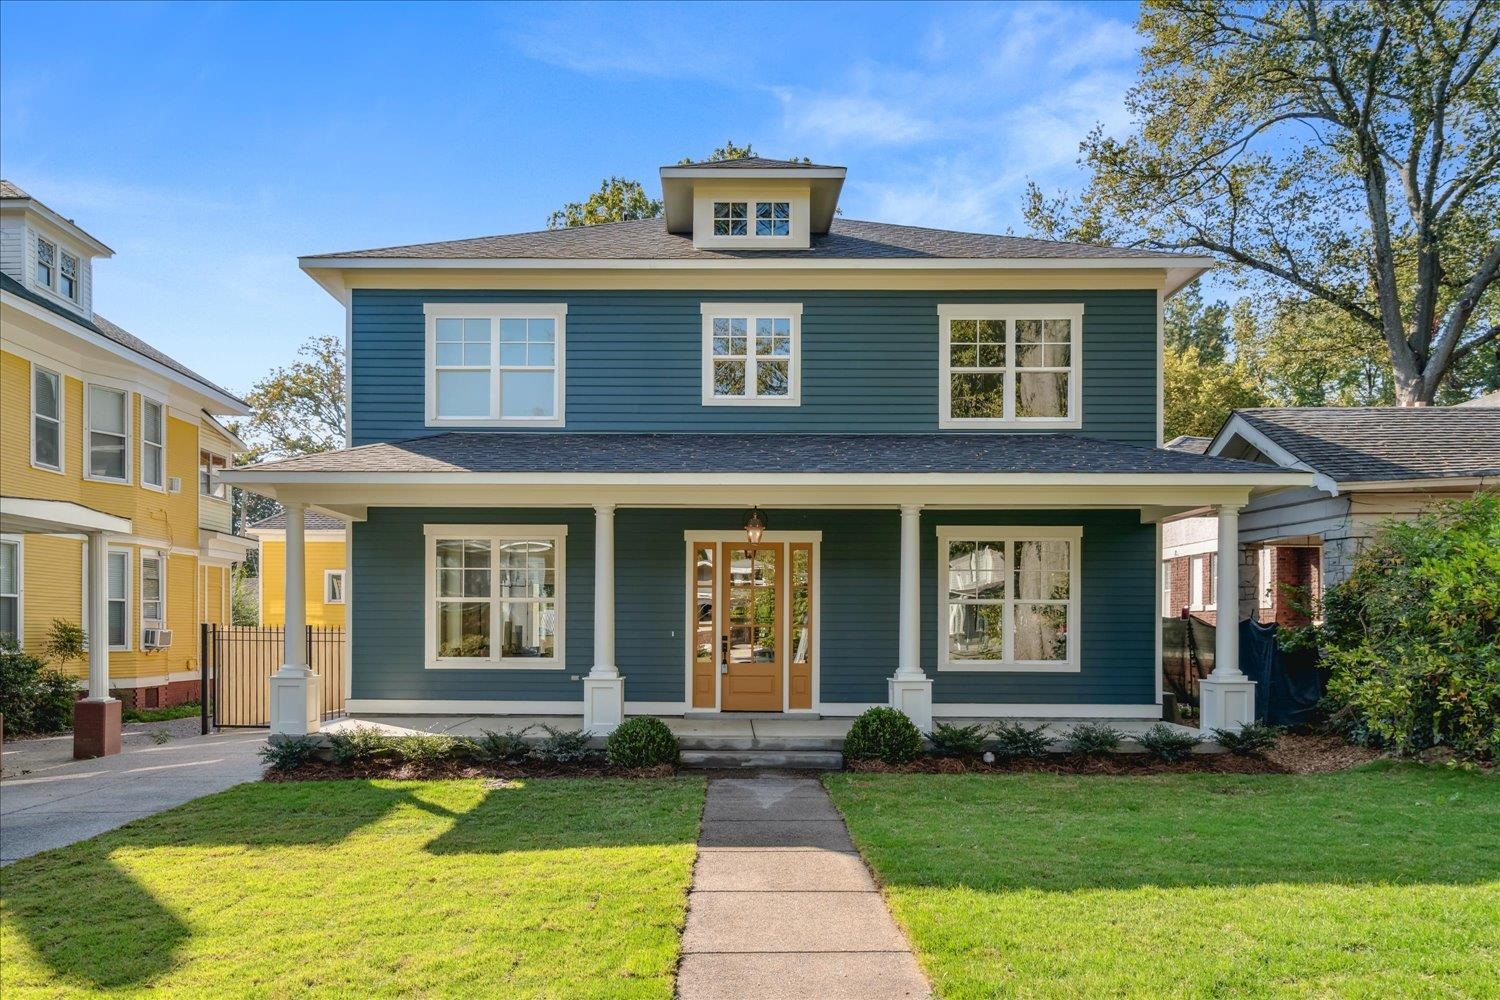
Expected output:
(33, 698)
(883, 733)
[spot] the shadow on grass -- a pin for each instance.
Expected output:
(94, 925)
(1382, 824)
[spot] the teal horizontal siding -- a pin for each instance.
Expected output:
(869, 361)
(858, 594)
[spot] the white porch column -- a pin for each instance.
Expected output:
(96, 719)
(910, 688)
(1226, 697)
(294, 688)
(604, 688)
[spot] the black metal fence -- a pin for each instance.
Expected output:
(238, 661)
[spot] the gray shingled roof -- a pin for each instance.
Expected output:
(9, 190)
(1188, 443)
(755, 163)
(312, 521)
(1368, 443)
(110, 331)
(847, 239)
(461, 452)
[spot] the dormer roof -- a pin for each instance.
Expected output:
(12, 197)
(821, 184)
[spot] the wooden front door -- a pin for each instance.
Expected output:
(753, 586)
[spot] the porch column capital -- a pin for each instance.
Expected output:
(604, 509)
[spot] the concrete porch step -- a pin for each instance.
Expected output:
(767, 743)
(810, 760)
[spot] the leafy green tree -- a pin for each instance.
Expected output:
(1188, 322)
(1304, 352)
(1198, 395)
(1347, 151)
(728, 151)
(618, 199)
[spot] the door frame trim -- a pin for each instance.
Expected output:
(690, 616)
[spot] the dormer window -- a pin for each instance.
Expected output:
(67, 275)
(46, 262)
(730, 218)
(773, 218)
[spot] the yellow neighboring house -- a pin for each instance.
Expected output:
(325, 564)
(106, 437)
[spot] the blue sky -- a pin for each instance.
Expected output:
(211, 144)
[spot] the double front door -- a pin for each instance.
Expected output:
(752, 626)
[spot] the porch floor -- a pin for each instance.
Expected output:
(722, 732)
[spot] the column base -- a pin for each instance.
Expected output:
(603, 704)
(913, 696)
(96, 728)
(1226, 703)
(295, 705)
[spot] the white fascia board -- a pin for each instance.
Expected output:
(312, 264)
(1418, 485)
(756, 174)
(229, 435)
(21, 515)
(223, 403)
(1238, 426)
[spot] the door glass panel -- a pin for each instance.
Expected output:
(752, 605)
(703, 604)
(801, 604)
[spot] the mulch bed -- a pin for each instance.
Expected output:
(1294, 754)
(322, 770)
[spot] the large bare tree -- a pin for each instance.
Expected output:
(1348, 150)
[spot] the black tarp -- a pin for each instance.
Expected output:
(1288, 686)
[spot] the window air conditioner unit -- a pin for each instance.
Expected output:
(156, 638)
(174, 484)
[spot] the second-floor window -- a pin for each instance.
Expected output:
(67, 275)
(46, 262)
(153, 443)
(108, 437)
(772, 218)
(751, 353)
(1016, 365)
(495, 364)
(46, 419)
(209, 467)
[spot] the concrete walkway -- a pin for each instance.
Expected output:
(782, 906)
(59, 803)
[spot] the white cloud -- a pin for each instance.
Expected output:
(851, 119)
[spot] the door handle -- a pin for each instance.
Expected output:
(723, 654)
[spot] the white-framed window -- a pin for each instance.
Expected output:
(772, 218)
(1009, 598)
(752, 353)
(12, 573)
(333, 586)
(46, 262)
(153, 588)
(495, 364)
(46, 419)
(153, 444)
(1011, 365)
(495, 595)
(117, 596)
(210, 465)
(67, 275)
(1203, 586)
(107, 438)
(731, 218)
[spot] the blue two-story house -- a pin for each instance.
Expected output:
(752, 456)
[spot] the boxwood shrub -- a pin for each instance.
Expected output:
(643, 741)
(884, 734)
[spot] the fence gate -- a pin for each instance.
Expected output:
(238, 661)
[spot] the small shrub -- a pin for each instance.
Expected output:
(1167, 743)
(33, 698)
(509, 747)
(161, 736)
(357, 746)
(65, 642)
(1094, 739)
(563, 746)
(1253, 739)
(884, 734)
(1014, 739)
(643, 741)
(425, 749)
(949, 740)
(290, 754)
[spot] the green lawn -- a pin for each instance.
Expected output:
(557, 888)
(1378, 882)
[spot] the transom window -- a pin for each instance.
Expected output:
(495, 595)
(495, 364)
(46, 419)
(1010, 365)
(46, 262)
(108, 438)
(751, 354)
(153, 443)
(1009, 598)
(772, 218)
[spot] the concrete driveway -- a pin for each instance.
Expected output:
(55, 803)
